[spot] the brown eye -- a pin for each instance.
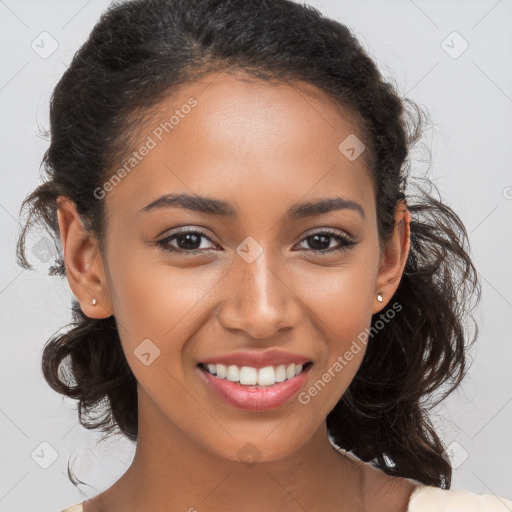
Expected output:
(321, 241)
(187, 242)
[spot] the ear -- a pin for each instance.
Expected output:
(84, 263)
(394, 257)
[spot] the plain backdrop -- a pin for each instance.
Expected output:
(451, 57)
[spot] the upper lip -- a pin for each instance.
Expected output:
(257, 359)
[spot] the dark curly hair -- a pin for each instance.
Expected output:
(136, 55)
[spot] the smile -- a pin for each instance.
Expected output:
(254, 389)
(250, 376)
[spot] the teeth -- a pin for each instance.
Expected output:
(233, 373)
(249, 376)
(221, 370)
(280, 373)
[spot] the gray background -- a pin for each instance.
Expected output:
(469, 98)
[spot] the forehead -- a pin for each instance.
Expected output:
(229, 135)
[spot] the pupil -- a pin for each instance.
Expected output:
(187, 237)
(320, 246)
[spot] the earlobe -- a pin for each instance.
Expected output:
(84, 263)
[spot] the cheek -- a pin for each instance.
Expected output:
(340, 299)
(156, 299)
(157, 311)
(163, 304)
(340, 303)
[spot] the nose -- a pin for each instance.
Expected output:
(259, 300)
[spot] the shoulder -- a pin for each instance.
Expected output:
(73, 508)
(426, 498)
(383, 493)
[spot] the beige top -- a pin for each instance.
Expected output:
(426, 498)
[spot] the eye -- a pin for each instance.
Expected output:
(187, 242)
(321, 239)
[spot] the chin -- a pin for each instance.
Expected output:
(261, 447)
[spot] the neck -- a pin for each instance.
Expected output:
(170, 470)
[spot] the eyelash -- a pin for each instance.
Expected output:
(346, 243)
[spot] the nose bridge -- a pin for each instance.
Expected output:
(260, 298)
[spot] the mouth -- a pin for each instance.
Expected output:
(255, 389)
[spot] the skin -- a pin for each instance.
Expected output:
(263, 147)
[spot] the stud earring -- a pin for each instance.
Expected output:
(379, 297)
(94, 302)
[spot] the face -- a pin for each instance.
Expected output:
(255, 272)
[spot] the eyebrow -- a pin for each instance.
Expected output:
(212, 206)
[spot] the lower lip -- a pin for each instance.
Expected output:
(251, 398)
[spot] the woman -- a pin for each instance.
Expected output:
(262, 303)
